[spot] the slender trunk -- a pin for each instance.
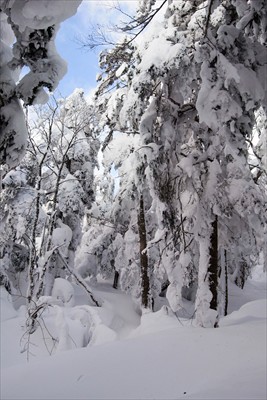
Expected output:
(226, 284)
(31, 296)
(32, 259)
(213, 265)
(51, 227)
(53, 219)
(143, 255)
(240, 279)
(116, 279)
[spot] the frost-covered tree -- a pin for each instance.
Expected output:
(232, 90)
(64, 140)
(47, 196)
(28, 31)
(112, 245)
(16, 215)
(191, 90)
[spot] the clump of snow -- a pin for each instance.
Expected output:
(34, 24)
(13, 114)
(61, 237)
(40, 14)
(258, 273)
(63, 291)
(163, 319)
(14, 178)
(102, 334)
(64, 342)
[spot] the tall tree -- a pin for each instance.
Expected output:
(48, 194)
(194, 108)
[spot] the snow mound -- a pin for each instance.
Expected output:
(99, 333)
(63, 291)
(7, 310)
(258, 274)
(248, 313)
(166, 359)
(102, 334)
(158, 321)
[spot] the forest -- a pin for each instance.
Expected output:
(153, 191)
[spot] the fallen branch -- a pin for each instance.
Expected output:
(79, 279)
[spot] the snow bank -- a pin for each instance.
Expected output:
(162, 358)
(249, 313)
(178, 363)
(161, 320)
(6, 308)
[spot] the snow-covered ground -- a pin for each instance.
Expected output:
(156, 356)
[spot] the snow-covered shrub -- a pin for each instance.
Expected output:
(63, 291)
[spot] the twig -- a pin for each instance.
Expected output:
(78, 279)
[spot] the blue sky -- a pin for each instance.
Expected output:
(83, 64)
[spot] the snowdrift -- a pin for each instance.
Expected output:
(155, 357)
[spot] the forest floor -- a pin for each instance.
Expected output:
(156, 356)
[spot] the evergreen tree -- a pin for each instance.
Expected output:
(194, 107)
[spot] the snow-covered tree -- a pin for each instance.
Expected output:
(16, 215)
(65, 142)
(28, 31)
(47, 196)
(191, 90)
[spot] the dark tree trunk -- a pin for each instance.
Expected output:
(226, 284)
(241, 278)
(143, 255)
(116, 279)
(213, 264)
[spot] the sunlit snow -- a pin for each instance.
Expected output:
(110, 353)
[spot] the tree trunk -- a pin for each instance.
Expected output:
(213, 265)
(143, 255)
(116, 279)
(241, 273)
(226, 285)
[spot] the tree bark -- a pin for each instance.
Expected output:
(226, 284)
(241, 277)
(213, 265)
(145, 285)
(116, 279)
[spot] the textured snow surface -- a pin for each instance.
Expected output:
(7, 310)
(156, 356)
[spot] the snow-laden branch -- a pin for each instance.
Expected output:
(80, 280)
